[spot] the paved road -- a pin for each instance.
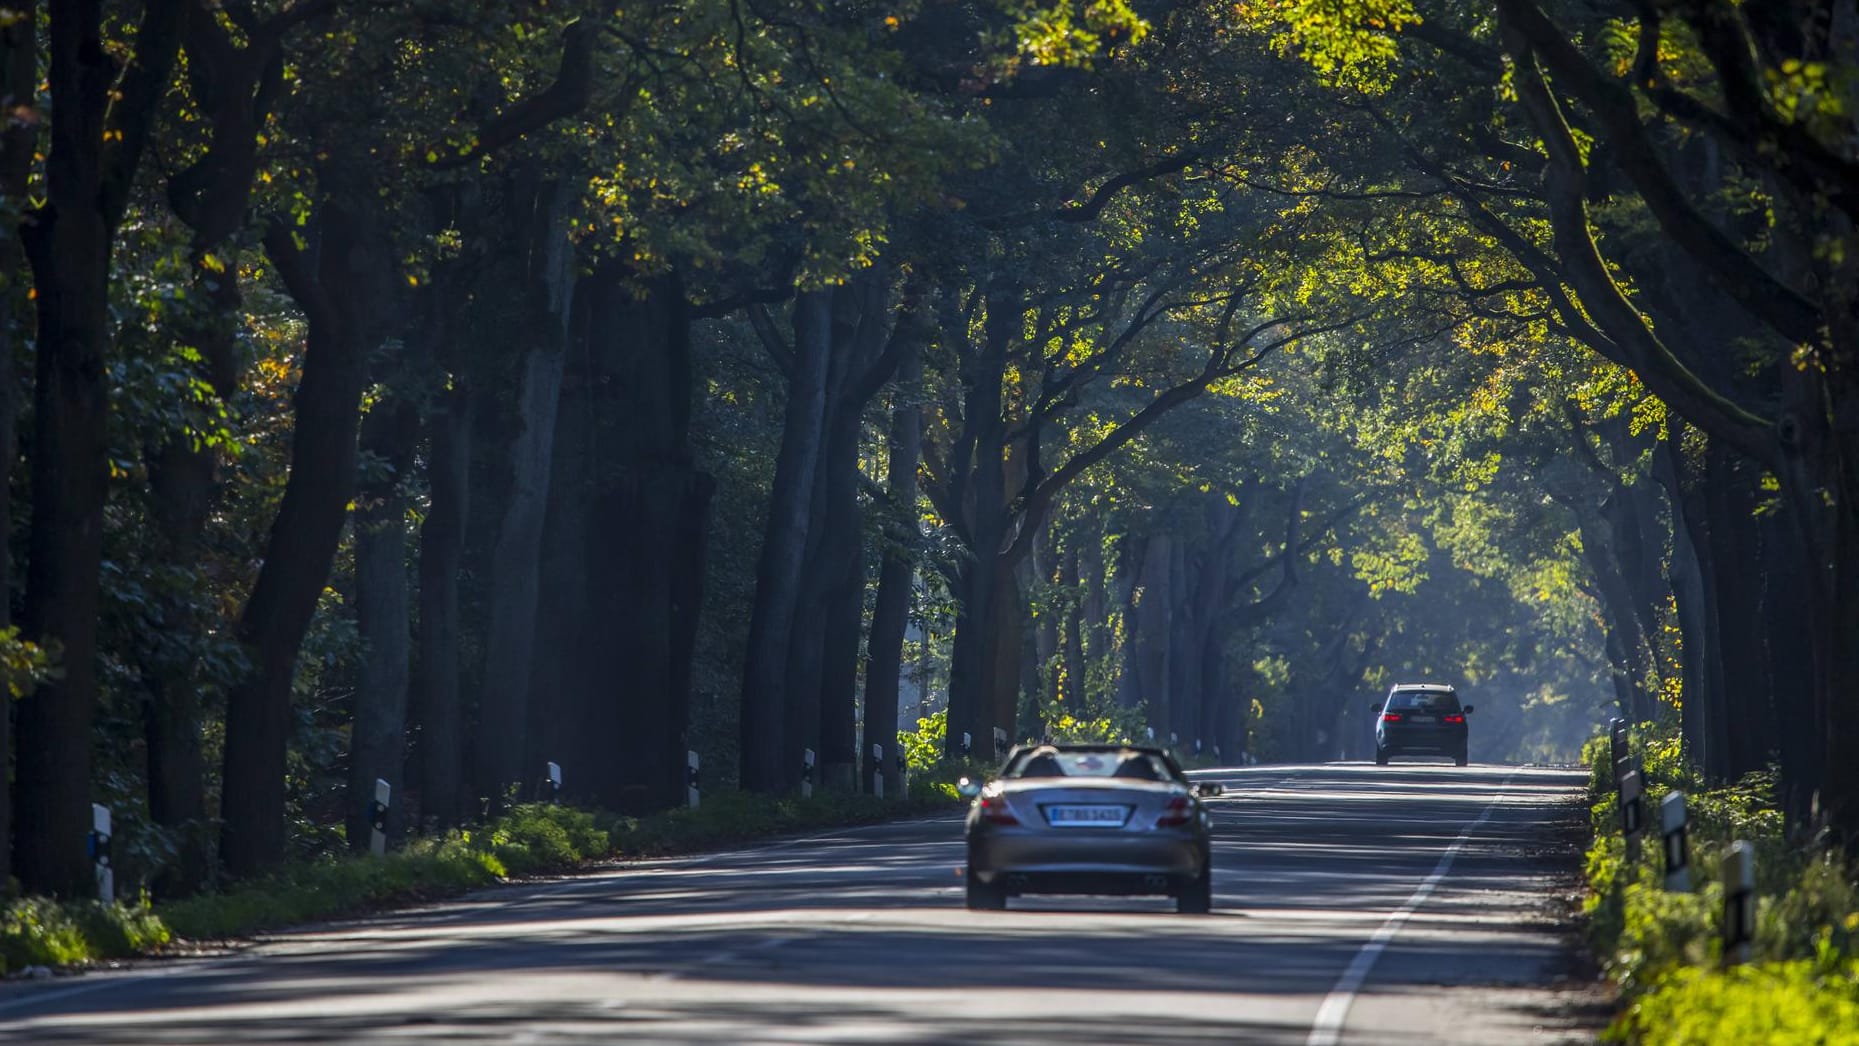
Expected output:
(1354, 904)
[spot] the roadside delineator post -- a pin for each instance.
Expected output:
(968, 744)
(1149, 732)
(1174, 739)
(554, 781)
(1000, 742)
(99, 845)
(377, 818)
(806, 775)
(1739, 902)
(1630, 819)
(877, 770)
(690, 779)
(903, 774)
(1677, 850)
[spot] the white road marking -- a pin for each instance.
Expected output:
(1327, 1029)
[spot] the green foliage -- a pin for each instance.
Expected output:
(923, 747)
(334, 887)
(1798, 1003)
(739, 817)
(1664, 949)
(541, 837)
(35, 931)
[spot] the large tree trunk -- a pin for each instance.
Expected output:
(890, 615)
(377, 734)
(548, 290)
(645, 545)
(842, 565)
(442, 543)
(18, 80)
(771, 761)
(69, 243)
(334, 289)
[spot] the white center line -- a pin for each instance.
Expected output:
(1327, 1029)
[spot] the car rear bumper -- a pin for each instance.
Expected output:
(1422, 741)
(1081, 861)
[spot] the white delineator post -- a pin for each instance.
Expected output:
(1677, 852)
(1630, 819)
(1000, 742)
(100, 852)
(1739, 902)
(806, 775)
(877, 770)
(967, 743)
(690, 779)
(555, 781)
(377, 818)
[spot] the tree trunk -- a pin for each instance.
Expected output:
(771, 761)
(18, 80)
(69, 243)
(548, 288)
(890, 615)
(842, 609)
(442, 544)
(377, 734)
(349, 267)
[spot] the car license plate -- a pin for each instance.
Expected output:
(1086, 816)
(1423, 719)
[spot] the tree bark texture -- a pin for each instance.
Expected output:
(547, 288)
(18, 84)
(334, 285)
(771, 762)
(622, 568)
(890, 617)
(378, 730)
(95, 151)
(442, 543)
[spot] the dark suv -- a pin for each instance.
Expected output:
(1420, 718)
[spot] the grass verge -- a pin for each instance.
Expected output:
(529, 840)
(1664, 949)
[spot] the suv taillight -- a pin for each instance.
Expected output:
(1391, 717)
(1454, 718)
(994, 810)
(1179, 811)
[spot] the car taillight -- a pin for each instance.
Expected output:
(1391, 717)
(1179, 811)
(1452, 719)
(994, 810)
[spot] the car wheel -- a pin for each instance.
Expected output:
(1381, 757)
(1462, 758)
(985, 897)
(1196, 895)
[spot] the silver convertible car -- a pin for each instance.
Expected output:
(1096, 819)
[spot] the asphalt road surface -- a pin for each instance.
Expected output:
(1353, 904)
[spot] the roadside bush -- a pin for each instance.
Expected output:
(36, 931)
(335, 887)
(1664, 949)
(537, 838)
(1798, 1003)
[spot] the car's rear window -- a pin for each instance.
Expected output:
(1049, 762)
(1434, 701)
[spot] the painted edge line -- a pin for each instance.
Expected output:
(1327, 1029)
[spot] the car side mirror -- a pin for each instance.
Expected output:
(1374, 706)
(968, 787)
(1209, 788)
(1467, 709)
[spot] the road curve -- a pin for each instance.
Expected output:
(1353, 904)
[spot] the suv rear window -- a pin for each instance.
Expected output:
(1423, 701)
